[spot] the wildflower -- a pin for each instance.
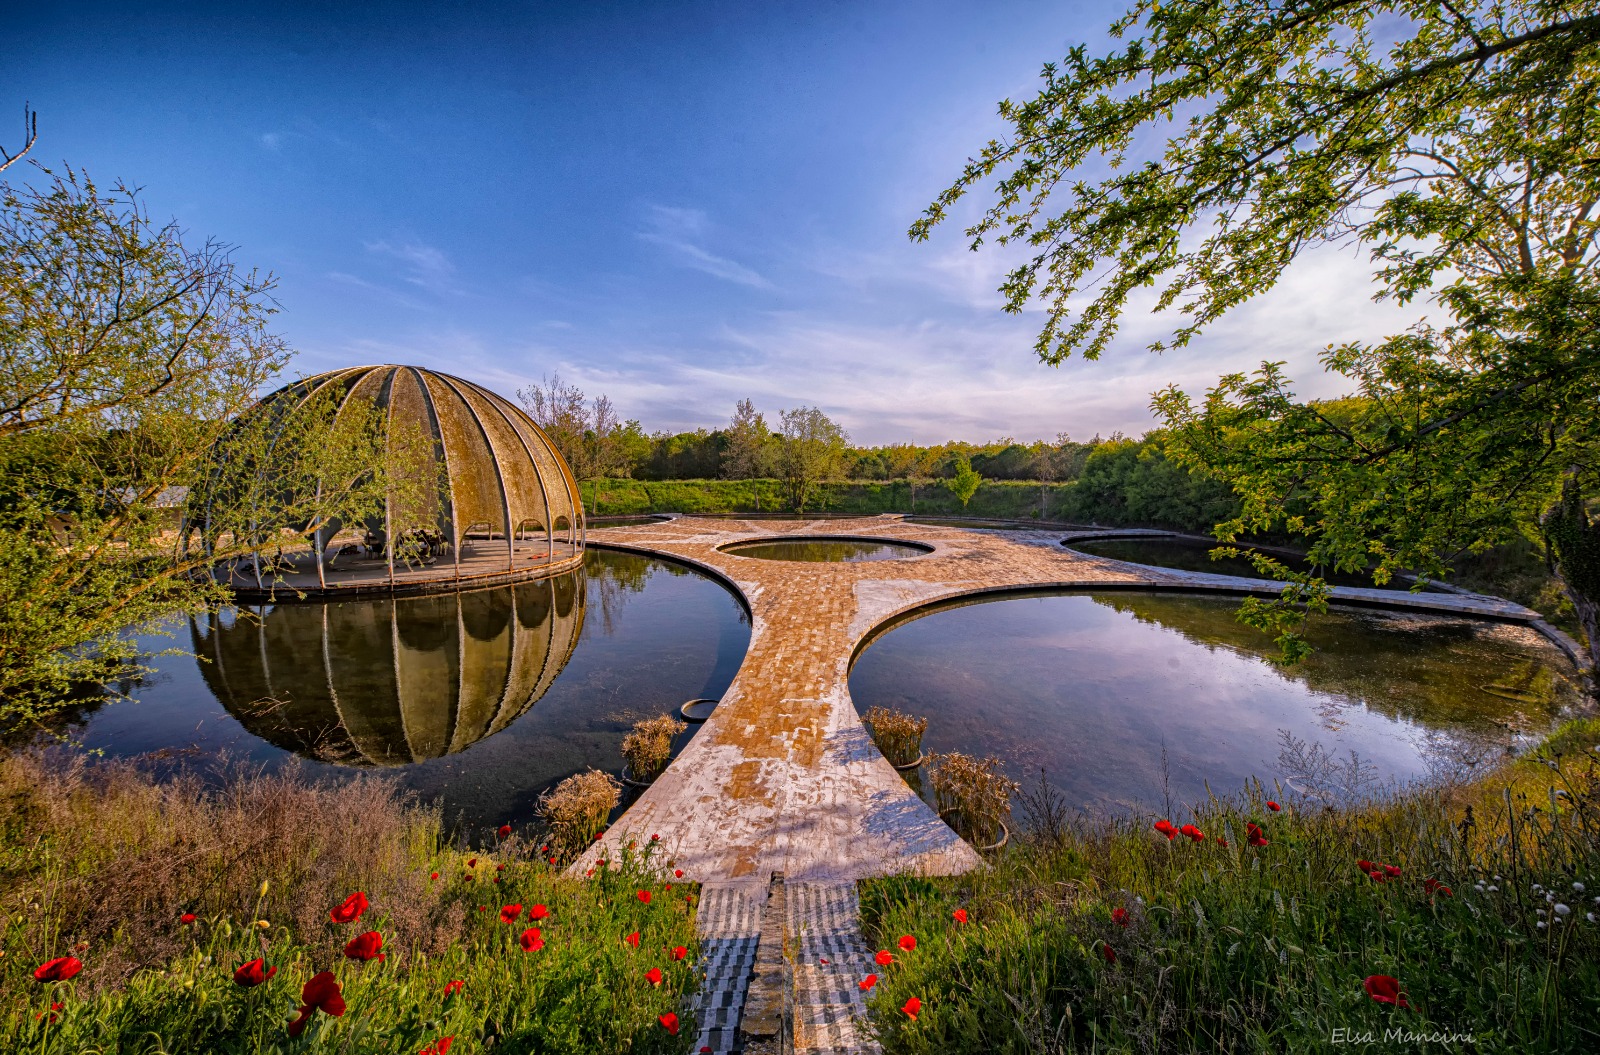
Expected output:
(868, 982)
(483, 908)
(913, 1008)
(1366, 865)
(1590, 916)
(187, 918)
(531, 940)
(1433, 886)
(669, 1022)
(1385, 990)
(510, 913)
(351, 910)
(599, 834)
(249, 975)
(1119, 916)
(1253, 835)
(538, 912)
(438, 1047)
(907, 942)
(262, 924)
(1562, 910)
(1220, 841)
(884, 958)
(504, 831)
(545, 848)
(679, 952)
(644, 896)
(58, 970)
(1165, 828)
(1273, 806)
(959, 915)
(433, 876)
(653, 976)
(1578, 888)
(365, 947)
(1109, 953)
(677, 873)
(453, 987)
(319, 994)
(633, 939)
(53, 1015)
(655, 838)
(1391, 871)
(1193, 833)
(1377, 876)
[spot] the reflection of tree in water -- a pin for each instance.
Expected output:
(1434, 670)
(391, 681)
(613, 575)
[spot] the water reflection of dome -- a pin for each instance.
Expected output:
(391, 681)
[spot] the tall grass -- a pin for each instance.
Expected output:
(1091, 936)
(103, 863)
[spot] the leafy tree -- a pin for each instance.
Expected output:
(964, 484)
(748, 454)
(595, 442)
(1457, 143)
(123, 355)
(812, 450)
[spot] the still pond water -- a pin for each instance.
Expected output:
(826, 551)
(1194, 555)
(1125, 699)
(482, 700)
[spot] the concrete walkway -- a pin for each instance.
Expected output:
(783, 777)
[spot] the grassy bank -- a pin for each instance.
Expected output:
(1009, 499)
(1113, 937)
(163, 890)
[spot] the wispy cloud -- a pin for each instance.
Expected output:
(681, 232)
(423, 266)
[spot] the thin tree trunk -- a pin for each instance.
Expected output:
(1575, 545)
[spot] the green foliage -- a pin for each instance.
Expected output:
(1250, 948)
(811, 449)
(965, 483)
(153, 984)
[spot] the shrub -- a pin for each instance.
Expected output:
(971, 794)
(897, 734)
(648, 748)
(576, 809)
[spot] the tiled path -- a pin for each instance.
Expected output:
(784, 779)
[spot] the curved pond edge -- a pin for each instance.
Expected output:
(922, 549)
(1342, 595)
(688, 562)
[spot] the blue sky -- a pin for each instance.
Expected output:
(676, 203)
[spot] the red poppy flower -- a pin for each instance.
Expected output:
(1109, 953)
(319, 994)
(677, 873)
(959, 915)
(907, 942)
(653, 976)
(52, 1016)
(1165, 828)
(504, 831)
(187, 917)
(884, 957)
(1273, 806)
(1377, 876)
(669, 1022)
(1433, 886)
(1220, 841)
(365, 947)
(483, 908)
(538, 912)
(1119, 916)
(438, 1047)
(655, 838)
(530, 940)
(249, 975)
(868, 982)
(510, 913)
(633, 939)
(1385, 990)
(599, 834)
(351, 910)
(453, 987)
(913, 1008)
(644, 896)
(1253, 835)
(545, 848)
(58, 970)
(1193, 833)
(1391, 871)
(434, 876)
(679, 952)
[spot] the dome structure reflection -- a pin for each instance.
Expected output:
(391, 681)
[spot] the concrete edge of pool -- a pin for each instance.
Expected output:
(783, 777)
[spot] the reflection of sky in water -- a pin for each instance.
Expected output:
(830, 551)
(499, 693)
(1095, 688)
(1194, 555)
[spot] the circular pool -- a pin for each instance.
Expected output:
(481, 699)
(1129, 700)
(826, 550)
(1187, 554)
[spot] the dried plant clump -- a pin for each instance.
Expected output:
(898, 735)
(576, 809)
(648, 748)
(971, 794)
